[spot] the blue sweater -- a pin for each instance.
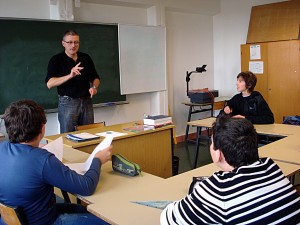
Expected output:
(28, 176)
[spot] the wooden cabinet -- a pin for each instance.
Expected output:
(280, 81)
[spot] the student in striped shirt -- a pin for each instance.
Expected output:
(247, 190)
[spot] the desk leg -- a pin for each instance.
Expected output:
(66, 196)
(197, 146)
(188, 126)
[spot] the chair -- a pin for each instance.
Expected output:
(91, 126)
(297, 187)
(11, 215)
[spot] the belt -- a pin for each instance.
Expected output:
(66, 96)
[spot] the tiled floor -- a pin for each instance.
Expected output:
(186, 154)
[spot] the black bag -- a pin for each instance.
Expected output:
(196, 181)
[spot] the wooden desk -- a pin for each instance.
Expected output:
(114, 203)
(115, 193)
(152, 149)
(218, 104)
(112, 200)
(284, 150)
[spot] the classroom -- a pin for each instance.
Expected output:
(198, 32)
(195, 35)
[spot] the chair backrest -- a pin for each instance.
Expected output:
(10, 215)
(297, 187)
(90, 126)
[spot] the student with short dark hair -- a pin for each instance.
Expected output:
(247, 189)
(30, 173)
(248, 103)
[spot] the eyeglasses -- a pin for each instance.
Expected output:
(72, 42)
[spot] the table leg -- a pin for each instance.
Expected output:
(187, 126)
(197, 146)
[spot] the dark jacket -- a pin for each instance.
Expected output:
(253, 107)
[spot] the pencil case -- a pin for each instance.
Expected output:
(122, 165)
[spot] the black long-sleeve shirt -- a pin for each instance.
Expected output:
(253, 107)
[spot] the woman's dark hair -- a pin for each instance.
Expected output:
(24, 120)
(249, 78)
(237, 139)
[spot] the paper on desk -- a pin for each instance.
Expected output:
(154, 204)
(114, 134)
(55, 147)
(81, 168)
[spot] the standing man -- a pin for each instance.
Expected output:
(77, 81)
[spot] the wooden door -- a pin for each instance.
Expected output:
(284, 78)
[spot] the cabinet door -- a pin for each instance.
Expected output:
(284, 78)
(262, 79)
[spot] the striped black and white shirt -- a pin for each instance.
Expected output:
(255, 194)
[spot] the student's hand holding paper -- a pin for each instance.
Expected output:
(103, 151)
(100, 147)
(104, 155)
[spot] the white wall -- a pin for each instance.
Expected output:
(198, 32)
(189, 45)
(230, 31)
(25, 8)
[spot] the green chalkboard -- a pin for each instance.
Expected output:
(27, 45)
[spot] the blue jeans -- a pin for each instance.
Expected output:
(73, 112)
(74, 214)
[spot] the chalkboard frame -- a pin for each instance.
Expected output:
(26, 46)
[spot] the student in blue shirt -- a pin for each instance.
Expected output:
(29, 173)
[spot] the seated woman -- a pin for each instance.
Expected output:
(249, 104)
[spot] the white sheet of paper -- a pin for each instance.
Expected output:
(78, 167)
(114, 134)
(256, 67)
(85, 135)
(81, 168)
(255, 52)
(55, 147)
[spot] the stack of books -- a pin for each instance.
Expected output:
(139, 128)
(158, 121)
